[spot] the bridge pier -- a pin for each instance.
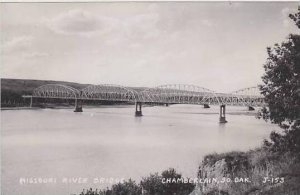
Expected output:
(222, 114)
(78, 106)
(250, 108)
(206, 106)
(138, 109)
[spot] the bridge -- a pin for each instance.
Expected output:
(164, 94)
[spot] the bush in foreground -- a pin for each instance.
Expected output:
(154, 184)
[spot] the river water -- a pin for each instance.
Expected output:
(109, 142)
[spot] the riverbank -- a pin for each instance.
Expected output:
(256, 172)
(20, 108)
(213, 112)
(71, 107)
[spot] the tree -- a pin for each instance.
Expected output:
(127, 188)
(281, 89)
(296, 17)
(171, 188)
(154, 185)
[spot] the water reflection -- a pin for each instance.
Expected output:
(222, 128)
(138, 119)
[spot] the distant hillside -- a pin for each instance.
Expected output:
(13, 89)
(27, 86)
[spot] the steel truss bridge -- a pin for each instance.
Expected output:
(164, 94)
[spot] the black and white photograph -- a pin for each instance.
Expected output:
(150, 97)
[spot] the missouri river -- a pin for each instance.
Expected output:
(109, 142)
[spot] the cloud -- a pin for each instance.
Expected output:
(143, 26)
(138, 29)
(17, 44)
(287, 22)
(79, 22)
(206, 22)
(83, 23)
(286, 11)
(35, 54)
(21, 46)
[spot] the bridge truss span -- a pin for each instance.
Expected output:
(179, 94)
(109, 93)
(250, 96)
(163, 94)
(56, 91)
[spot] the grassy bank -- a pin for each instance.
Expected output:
(267, 172)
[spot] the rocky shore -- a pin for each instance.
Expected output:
(254, 172)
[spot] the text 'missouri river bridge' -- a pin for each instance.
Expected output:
(164, 94)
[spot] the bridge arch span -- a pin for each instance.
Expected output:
(180, 94)
(184, 87)
(109, 92)
(55, 91)
(249, 91)
(249, 96)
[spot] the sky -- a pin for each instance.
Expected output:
(217, 45)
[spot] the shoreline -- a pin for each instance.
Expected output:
(64, 107)
(242, 112)
(20, 108)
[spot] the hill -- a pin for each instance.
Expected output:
(13, 89)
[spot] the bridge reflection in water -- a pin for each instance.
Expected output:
(164, 94)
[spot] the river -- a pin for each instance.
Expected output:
(109, 142)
